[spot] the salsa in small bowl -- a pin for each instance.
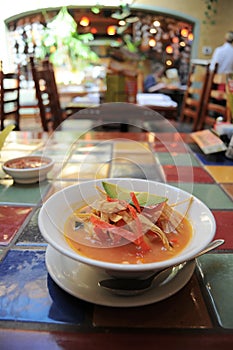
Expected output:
(28, 169)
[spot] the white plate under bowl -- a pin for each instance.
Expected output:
(81, 281)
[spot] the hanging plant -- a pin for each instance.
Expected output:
(210, 11)
(63, 45)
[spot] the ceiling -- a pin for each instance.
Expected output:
(105, 17)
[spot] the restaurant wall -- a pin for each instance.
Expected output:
(207, 35)
(210, 35)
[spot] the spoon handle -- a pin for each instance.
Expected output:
(212, 245)
(176, 268)
(135, 286)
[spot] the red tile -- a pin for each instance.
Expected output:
(111, 135)
(11, 219)
(170, 147)
(224, 228)
(182, 174)
(170, 137)
(171, 312)
(120, 339)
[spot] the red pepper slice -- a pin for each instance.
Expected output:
(128, 235)
(135, 201)
(140, 240)
(109, 199)
(137, 239)
(101, 234)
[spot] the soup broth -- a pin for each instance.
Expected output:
(129, 253)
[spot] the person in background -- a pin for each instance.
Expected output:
(153, 81)
(183, 64)
(223, 55)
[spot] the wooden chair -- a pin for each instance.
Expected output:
(215, 102)
(194, 95)
(9, 96)
(47, 95)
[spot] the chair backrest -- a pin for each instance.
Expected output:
(229, 91)
(215, 100)
(194, 94)
(9, 96)
(47, 94)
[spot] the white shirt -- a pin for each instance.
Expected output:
(223, 55)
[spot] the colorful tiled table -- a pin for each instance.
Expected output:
(35, 313)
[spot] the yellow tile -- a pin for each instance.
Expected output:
(140, 158)
(228, 188)
(221, 174)
(131, 146)
(84, 171)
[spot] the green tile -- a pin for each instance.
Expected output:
(26, 194)
(178, 159)
(210, 194)
(216, 271)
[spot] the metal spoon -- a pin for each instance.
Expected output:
(133, 286)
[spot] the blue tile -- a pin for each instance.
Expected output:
(214, 159)
(27, 293)
(31, 233)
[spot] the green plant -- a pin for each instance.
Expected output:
(210, 11)
(63, 45)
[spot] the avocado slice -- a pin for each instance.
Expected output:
(144, 198)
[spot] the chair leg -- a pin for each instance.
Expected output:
(196, 125)
(17, 121)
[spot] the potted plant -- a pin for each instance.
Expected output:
(63, 45)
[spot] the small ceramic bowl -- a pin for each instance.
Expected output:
(60, 206)
(29, 169)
